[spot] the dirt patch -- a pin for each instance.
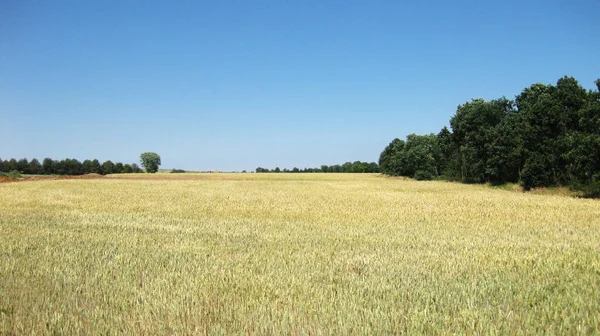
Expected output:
(5, 179)
(177, 177)
(147, 177)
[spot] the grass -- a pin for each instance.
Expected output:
(294, 254)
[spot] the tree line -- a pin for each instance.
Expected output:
(549, 135)
(67, 167)
(348, 167)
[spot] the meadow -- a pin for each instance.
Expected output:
(294, 254)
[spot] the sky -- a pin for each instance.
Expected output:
(234, 85)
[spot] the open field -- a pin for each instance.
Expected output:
(294, 254)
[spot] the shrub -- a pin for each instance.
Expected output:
(423, 175)
(591, 190)
(12, 174)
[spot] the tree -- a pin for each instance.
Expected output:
(118, 168)
(48, 166)
(127, 169)
(389, 160)
(35, 167)
(58, 167)
(475, 129)
(74, 167)
(108, 167)
(86, 165)
(373, 168)
(150, 161)
(136, 169)
(23, 166)
(96, 168)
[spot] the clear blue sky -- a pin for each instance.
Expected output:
(233, 85)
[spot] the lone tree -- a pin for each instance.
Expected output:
(150, 161)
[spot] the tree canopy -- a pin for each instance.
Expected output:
(548, 135)
(348, 167)
(66, 167)
(150, 161)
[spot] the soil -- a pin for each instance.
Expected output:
(153, 177)
(4, 179)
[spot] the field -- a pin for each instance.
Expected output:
(294, 254)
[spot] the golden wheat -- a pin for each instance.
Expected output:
(294, 254)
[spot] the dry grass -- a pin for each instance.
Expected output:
(294, 254)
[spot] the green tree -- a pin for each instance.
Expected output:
(118, 168)
(449, 163)
(136, 169)
(390, 160)
(373, 167)
(48, 166)
(86, 166)
(23, 166)
(35, 167)
(96, 167)
(474, 128)
(108, 167)
(419, 155)
(150, 161)
(127, 169)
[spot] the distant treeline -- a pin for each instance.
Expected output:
(67, 167)
(548, 136)
(348, 167)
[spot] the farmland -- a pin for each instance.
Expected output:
(294, 254)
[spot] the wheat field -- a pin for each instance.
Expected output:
(282, 254)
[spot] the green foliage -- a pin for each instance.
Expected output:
(14, 174)
(479, 130)
(23, 166)
(549, 136)
(177, 171)
(420, 153)
(348, 167)
(118, 168)
(48, 166)
(589, 190)
(150, 161)
(11, 165)
(35, 167)
(423, 175)
(108, 167)
(66, 167)
(390, 162)
(136, 169)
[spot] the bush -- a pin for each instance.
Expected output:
(591, 190)
(535, 173)
(423, 175)
(12, 174)
(175, 171)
